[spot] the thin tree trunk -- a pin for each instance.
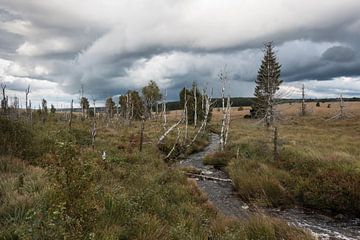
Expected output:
(303, 106)
(168, 131)
(228, 115)
(222, 132)
(93, 131)
(195, 107)
(186, 116)
(164, 108)
(71, 112)
(141, 134)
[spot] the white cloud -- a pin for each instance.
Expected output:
(346, 86)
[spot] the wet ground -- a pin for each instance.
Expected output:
(224, 198)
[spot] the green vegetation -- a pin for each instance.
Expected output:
(67, 191)
(318, 166)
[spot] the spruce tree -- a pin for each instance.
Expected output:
(267, 83)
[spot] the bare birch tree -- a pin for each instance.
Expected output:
(164, 108)
(93, 130)
(71, 113)
(223, 78)
(195, 104)
(303, 104)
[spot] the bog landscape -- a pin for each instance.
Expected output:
(188, 138)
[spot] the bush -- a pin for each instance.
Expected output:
(16, 139)
(69, 209)
(218, 159)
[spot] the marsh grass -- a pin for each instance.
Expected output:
(318, 168)
(68, 191)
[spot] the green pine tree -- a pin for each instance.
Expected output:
(267, 84)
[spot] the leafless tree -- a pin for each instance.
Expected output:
(164, 108)
(142, 134)
(195, 104)
(93, 130)
(162, 137)
(186, 115)
(44, 110)
(227, 122)
(71, 113)
(27, 92)
(208, 104)
(223, 78)
(342, 112)
(175, 144)
(303, 104)
(4, 101)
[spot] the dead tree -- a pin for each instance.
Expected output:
(186, 115)
(303, 105)
(71, 113)
(161, 139)
(142, 134)
(93, 130)
(44, 110)
(227, 122)
(175, 144)
(30, 111)
(81, 100)
(195, 105)
(4, 101)
(223, 78)
(342, 113)
(208, 104)
(27, 91)
(164, 108)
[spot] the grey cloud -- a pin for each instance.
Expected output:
(114, 46)
(339, 54)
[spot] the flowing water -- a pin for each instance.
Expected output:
(223, 196)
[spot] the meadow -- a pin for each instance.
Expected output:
(55, 186)
(318, 165)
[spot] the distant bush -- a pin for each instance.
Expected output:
(317, 104)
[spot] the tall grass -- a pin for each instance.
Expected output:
(73, 193)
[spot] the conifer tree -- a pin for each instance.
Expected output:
(267, 84)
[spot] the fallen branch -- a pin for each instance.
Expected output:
(208, 177)
(176, 142)
(168, 131)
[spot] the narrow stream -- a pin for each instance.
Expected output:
(223, 196)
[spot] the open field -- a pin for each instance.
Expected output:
(318, 165)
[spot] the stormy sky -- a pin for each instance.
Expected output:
(111, 46)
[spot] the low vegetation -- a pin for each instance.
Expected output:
(318, 165)
(68, 191)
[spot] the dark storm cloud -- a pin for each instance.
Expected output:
(113, 46)
(339, 54)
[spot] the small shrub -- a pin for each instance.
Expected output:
(218, 159)
(16, 139)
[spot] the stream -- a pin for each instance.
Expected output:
(223, 196)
